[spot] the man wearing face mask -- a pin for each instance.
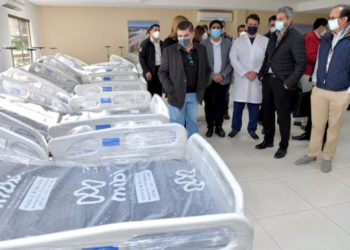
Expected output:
(150, 57)
(185, 73)
(284, 64)
(331, 95)
(312, 42)
(247, 55)
(218, 50)
(272, 26)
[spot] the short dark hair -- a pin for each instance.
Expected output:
(240, 26)
(184, 25)
(152, 26)
(254, 17)
(345, 11)
(216, 22)
(272, 18)
(320, 22)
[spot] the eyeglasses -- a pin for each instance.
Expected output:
(332, 17)
(190, 59)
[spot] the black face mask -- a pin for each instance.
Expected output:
(252, 30)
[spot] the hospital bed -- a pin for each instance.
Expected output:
(22, 76)
(132, 188)
(54, 75)
(84, 76)
(117, 66)
(21, 148)
(97, 88)
(112, 121)
(133, 58)
(33, 115)
(127, 102)
(20, 128)
(22, 91)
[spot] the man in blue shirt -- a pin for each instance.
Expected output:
(330, 96)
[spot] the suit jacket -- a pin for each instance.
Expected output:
(147, 56)
(226, 68)
(173, 77)
(287, 59)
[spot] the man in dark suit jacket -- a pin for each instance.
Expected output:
(185, 73)
(284, 64)
(150, 57)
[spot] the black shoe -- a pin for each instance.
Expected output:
(233, 133)
(220, 132)
(253, 135)
(209, 132)
(264, 145)
(302, 137)
(227, 116)
(280, 153)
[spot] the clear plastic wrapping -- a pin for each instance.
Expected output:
(42, 199)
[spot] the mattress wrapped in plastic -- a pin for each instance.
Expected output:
(37, 199)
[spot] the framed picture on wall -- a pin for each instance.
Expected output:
(138, 33)
(303, 28)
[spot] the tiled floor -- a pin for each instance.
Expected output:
(291, 207)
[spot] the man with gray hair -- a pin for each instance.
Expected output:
(331, 94)
(284, 64)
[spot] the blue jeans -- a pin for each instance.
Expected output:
(238, 108)
(187, 115)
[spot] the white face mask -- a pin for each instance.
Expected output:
(272, 29)
(205, 36)
(333, 24)
(279, 25)
(156, 35)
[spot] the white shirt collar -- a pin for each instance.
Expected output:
(215, 43)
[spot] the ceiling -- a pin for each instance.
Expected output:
(298, 5)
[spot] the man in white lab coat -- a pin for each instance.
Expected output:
(247, 56)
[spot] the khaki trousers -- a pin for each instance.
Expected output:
(326, 106)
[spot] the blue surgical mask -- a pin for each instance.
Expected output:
(184, 42)
(333, 24)
(279, 25)
(215, 33)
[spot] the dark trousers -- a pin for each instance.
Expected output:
(154, 86)
(276, 98)
(238, 108)
(215, 104)
(227, 99)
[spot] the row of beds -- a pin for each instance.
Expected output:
(90, 161)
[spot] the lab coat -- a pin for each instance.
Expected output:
(246, 57)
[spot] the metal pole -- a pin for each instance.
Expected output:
(107, 46)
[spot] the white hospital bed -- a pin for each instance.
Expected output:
(113, 121)
(16, 145)
(116, 67)
(22, 91)
(127, 102)
(31, 114)
(138, 191)
(22, 76)
(54, 75)
(84, 76)
(12, 124)
(98, 88)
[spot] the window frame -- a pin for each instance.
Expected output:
(25, 53)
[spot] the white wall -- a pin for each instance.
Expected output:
(29, 12)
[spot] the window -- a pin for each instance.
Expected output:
(20, 40)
